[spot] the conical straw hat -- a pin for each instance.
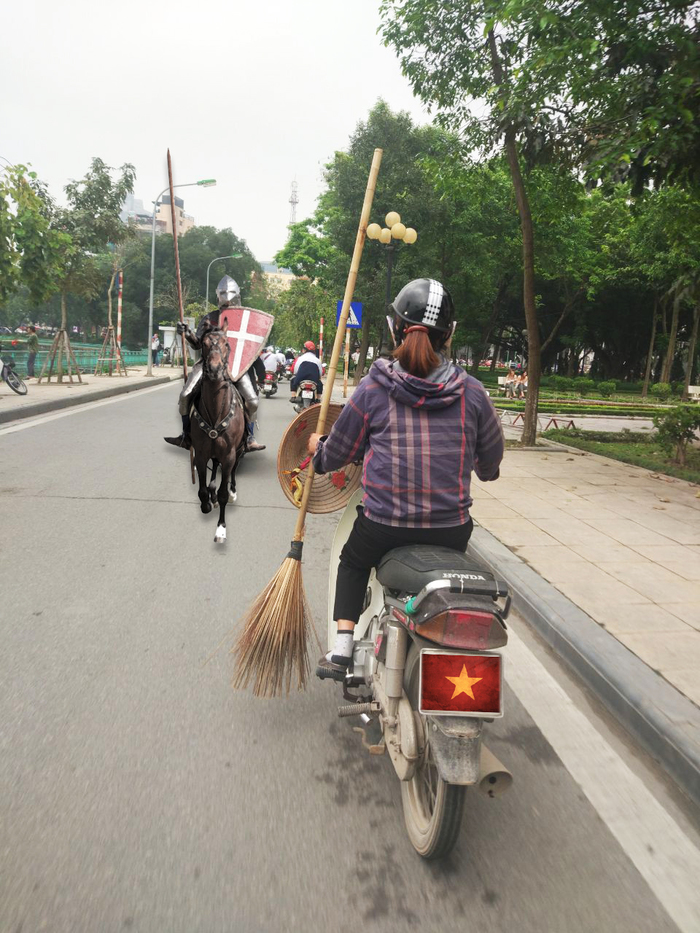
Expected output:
(329, 492)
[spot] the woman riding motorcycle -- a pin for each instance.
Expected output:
(422, 425)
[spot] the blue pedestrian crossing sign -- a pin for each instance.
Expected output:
(355, 316)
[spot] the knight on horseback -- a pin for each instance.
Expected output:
(229, 296)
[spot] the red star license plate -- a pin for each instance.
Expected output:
(461, 684)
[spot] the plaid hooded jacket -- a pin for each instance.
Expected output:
(420, 441)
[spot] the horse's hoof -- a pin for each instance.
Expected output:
(232, 497)
(206, 507)
(220, 536)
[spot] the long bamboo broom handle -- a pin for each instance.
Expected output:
(340, 332)
(177, 265)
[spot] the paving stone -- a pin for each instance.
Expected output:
(688, 612)
(654, 582)
(665, 651)
(639, 618)
(687, 680)
(517, 531)
(613, 551)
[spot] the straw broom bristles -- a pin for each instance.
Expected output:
(273, 644)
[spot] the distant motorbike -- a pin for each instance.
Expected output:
(269, 386)
(428, 676)
(306, 395)
(287, 372)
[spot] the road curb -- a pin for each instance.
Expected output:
(40, 408)
(657, 715)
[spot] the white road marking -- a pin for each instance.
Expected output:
(663, 854)
(77, 409)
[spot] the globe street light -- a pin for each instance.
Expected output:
(206, 293)
(394, 233)
(204, 183)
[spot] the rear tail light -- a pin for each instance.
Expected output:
(464, 628)
(470, 684)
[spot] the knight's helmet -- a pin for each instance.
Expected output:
(228, 293)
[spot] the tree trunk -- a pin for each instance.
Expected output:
(534, 367)
(650, 355)
(364, 344)
(109, 299)
(671, 349)
(571, 364)
(691, 353)
(64, 312)
(496, 351)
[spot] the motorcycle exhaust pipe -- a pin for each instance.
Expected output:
(494, 778)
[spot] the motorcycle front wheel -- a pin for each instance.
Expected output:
(432, 809)
(14, 382)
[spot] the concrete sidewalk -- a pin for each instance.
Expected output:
(622, 543)
(54, 396)
(603, 559)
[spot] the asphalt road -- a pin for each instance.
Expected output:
(139, 792)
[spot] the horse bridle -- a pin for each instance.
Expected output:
(215, 431)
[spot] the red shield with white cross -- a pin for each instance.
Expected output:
(246, 331)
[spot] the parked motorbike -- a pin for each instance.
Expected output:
(10, 377)
(425, 678)
(269, 386)
(306, 395)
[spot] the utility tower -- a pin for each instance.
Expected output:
(293, 201)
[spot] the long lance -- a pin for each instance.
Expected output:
(177, 266)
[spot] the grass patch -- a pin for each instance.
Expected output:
(642, 450)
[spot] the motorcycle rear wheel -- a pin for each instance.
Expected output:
(432, 809)
(14, 382)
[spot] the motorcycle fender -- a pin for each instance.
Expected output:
(455, 742)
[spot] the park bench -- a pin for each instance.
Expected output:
(694, 393)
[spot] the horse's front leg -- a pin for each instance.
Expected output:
(222, 496)
(232, 496)
(203, 492)
(212, 481)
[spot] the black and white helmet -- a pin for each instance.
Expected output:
(426, 303)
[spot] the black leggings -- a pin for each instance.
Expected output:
(368, 542)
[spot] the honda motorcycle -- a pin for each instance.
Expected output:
(269, 386)
(426, 677)
(306, 395)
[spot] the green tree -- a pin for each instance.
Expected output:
(577, 84)
(30, 250)
(91, 221)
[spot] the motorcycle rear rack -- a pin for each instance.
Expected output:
(495, 589)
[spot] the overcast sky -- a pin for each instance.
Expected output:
(253, 94)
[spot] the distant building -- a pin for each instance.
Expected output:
(282, 278)
(184, 221)
(133, 212)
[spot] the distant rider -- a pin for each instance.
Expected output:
(229, 296)
(307, 367)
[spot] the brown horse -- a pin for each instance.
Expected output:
(218, 428)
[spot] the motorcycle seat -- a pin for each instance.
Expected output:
(408, 569)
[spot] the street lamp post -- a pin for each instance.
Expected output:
(206, 293)
(394, 230)
(204, 183)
